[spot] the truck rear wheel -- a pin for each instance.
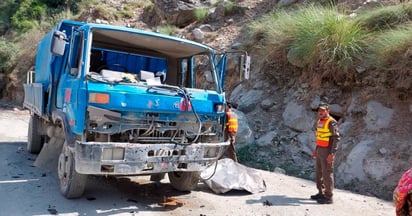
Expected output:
(72, 184)
(184, 181)
(34, 139)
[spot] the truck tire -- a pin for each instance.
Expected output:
(34, 139)
(72, 184)
(184, 181)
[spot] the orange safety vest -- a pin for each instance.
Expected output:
(231, 125)
(322, 132)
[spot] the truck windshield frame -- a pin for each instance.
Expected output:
(157, 52)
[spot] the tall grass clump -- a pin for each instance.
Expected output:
(385, 17)
(325, 38)
(271, 34)
(315, 38)
(201, 14)
(391, 53)
(229, 7)
(167, 29)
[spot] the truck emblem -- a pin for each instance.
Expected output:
(156, 104)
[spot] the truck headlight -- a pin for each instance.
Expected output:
(99, 98)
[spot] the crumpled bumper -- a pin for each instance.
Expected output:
(109, 158)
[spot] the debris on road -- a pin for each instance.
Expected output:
(171, 201)
(52, 210)
(267, 203)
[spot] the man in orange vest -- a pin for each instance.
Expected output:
(327, 142)
(231, 131)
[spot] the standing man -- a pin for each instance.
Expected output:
(231, 131)
(327, 142)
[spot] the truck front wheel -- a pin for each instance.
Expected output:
(34, 139)
(184, 181)
(72, 184)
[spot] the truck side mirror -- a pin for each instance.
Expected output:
(58, 43)
(245, 64)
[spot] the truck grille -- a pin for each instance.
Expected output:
(104, 125)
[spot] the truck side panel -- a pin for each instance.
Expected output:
(43, 60)
(34, 97)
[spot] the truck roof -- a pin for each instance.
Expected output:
(130, 38)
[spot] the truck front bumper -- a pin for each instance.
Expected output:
(136, 159)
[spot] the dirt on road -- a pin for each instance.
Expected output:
(28, 190)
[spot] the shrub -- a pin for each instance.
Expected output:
(201, 14)
(140, 4)
(8, 56)
(229, 7)
(59, 5)
(126, 13)
(26, 14)
(316, 38)
(167, 29)
(104, 13)
(386, 17)
(325, 37)
(7, 8)
(390, 52)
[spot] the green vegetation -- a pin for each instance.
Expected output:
(167, 29)
(201, 14)
(104, 13)
(312, 37)
(317, 42)
(388, 17)
(140, 4)
(7, 9)
(328, 44)
(27, 14)
(229, 7)
(8, 56)
(129, 7)
(389, 47)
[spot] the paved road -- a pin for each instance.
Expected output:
(28, 190)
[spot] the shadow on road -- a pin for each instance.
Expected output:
(281, 200)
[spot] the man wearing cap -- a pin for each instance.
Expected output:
(327, 142)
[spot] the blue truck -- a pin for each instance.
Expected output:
(117, 101)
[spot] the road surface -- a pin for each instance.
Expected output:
(28, 190)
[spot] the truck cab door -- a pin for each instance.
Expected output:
(221, 69)
(71, 83)
(232, 68)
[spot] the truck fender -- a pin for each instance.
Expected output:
(60, 117)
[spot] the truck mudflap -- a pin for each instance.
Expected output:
(107, 158)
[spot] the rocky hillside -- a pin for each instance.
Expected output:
(277, 111)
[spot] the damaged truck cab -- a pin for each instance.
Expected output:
(119, 101)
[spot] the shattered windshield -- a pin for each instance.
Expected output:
(113, 78)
